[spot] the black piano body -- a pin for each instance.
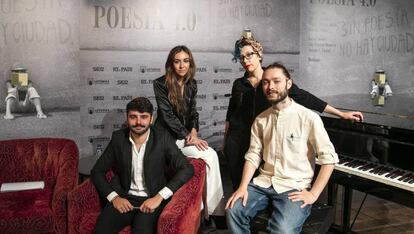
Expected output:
(374, 159)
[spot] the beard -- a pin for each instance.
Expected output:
(143, 129)
(281, 96)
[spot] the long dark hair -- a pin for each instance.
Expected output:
(171, 79)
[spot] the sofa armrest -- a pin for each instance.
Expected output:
(182, 214)
(82, 200)
(66, 180)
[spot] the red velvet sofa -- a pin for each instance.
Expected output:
(54, 161)
(180, 216)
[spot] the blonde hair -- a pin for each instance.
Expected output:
(250, 41)
(247, 41)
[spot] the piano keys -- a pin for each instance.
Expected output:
(389, 175)
(377, 153)
(374, 159)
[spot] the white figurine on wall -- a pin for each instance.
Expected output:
(21, 94)
(380, 88)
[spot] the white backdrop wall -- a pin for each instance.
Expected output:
(43, 37)
(88, 58)
(343, 43)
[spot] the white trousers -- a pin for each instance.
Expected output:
(17, 105)
(213, 179)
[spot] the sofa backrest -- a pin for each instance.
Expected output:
(35, 159)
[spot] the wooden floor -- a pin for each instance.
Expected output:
(379, 216)
(376, 216)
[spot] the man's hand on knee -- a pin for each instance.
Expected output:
(121, 204)
(149, 205)
(239, 193)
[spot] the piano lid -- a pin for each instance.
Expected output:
(376, 143)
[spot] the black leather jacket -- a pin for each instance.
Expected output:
(179, 125)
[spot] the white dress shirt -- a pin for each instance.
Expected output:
(288, 141)
(138, 187)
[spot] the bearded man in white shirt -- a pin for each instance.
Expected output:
(288, 138)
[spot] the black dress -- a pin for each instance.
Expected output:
(245, 104)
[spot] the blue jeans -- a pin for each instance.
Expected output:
(287, 216)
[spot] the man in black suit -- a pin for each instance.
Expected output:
(139, 190)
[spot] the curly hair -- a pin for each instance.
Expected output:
(249, 41)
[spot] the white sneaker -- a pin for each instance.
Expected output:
(8, 116)
(41, 116)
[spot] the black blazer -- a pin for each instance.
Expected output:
(179, 125)
(160, 151)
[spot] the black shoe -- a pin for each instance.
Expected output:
(207, 227)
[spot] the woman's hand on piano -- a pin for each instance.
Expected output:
(306, 196)
(353, 116)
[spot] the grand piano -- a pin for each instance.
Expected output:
(374, 159)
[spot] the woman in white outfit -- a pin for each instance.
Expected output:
(175, 93)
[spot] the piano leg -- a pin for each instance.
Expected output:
(347, 207)
(333, 201)
(332, 194)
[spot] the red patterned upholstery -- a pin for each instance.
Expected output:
(180, 216)
(54, 161)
